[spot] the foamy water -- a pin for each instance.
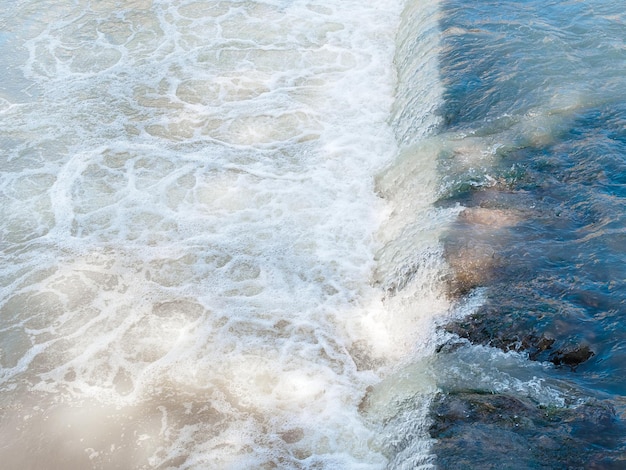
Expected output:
(198, 268)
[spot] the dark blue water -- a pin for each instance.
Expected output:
(536, 116)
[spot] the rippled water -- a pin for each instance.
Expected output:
(534, 151)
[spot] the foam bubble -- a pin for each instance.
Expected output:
(191, 233)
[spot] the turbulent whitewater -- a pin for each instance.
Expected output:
(206, 259)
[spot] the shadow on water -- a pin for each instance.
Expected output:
(541, 238)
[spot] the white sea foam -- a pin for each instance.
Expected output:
(189, 234)
(212, 243)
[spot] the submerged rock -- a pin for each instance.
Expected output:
(504, 327)
(489, 431)
(473, 252)
(507, 332)
(472, 266)
(572, 357)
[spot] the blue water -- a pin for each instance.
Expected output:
(534, 106)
